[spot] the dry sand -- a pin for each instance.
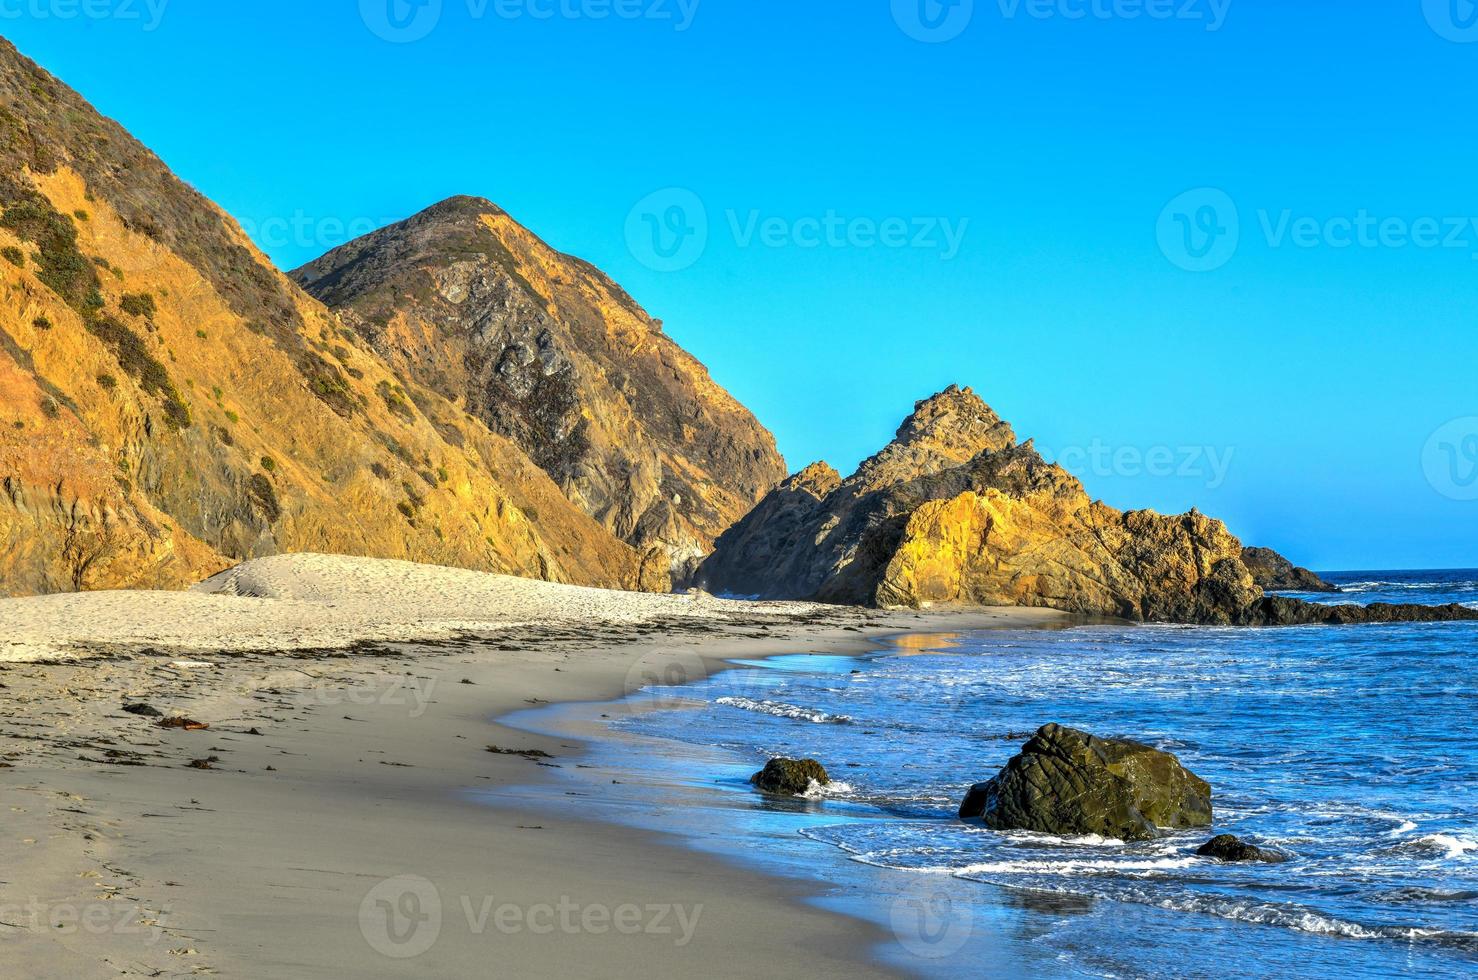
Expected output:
(121, 859)
(290, 602)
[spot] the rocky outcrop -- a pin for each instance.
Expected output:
(956, 512)
(1225, 847)
(1067, 783)
(790, 777)
(171, 404)
(805, 536)
(1282, 611)
(554, 356)
(1273, 572)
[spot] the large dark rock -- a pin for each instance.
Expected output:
(1225, 847)
(1275, 573)
(790, 777)
(1067, 782)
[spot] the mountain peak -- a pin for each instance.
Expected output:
(460, 205)
(954, 415)
(551, 354)
(945, 429)
(818, 479)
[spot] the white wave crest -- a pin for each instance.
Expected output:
(1297, 918)
(1450, 846)
(1058, 867)
(833, 789)
(780, 709)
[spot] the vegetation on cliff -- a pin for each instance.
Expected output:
(152, 360)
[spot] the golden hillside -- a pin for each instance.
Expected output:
(170, 403)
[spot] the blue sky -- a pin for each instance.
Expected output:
(1222, 258)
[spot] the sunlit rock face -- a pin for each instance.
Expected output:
(170, 403)
(955, 512)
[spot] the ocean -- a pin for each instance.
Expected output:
(1350, 750)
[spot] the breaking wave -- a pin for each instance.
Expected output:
(780, 709)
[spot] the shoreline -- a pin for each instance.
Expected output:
(324, 845)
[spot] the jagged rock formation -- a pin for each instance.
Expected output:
(170, 403)
(954, 511)
(820, 536)
(1067, 782)
(1273, 572)
(555, 356)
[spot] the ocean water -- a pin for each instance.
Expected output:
(1353, 751)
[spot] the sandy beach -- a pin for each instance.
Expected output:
(322, 826)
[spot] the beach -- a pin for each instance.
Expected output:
(341, 815)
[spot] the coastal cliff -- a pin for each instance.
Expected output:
(552, 355)
(955, 512)
(173, 404)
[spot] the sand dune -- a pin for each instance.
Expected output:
(294, 601)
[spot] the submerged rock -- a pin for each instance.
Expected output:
(1225, 847)
(790, 777)
(1068, 782)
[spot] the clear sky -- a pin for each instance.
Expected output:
(842, 206)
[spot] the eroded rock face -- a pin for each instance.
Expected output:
(1067, 783)
(556, 357)
(955, 512)
(790, 777)
(777, 535)
(171, 404)
(804, 537)
(1275, 573)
